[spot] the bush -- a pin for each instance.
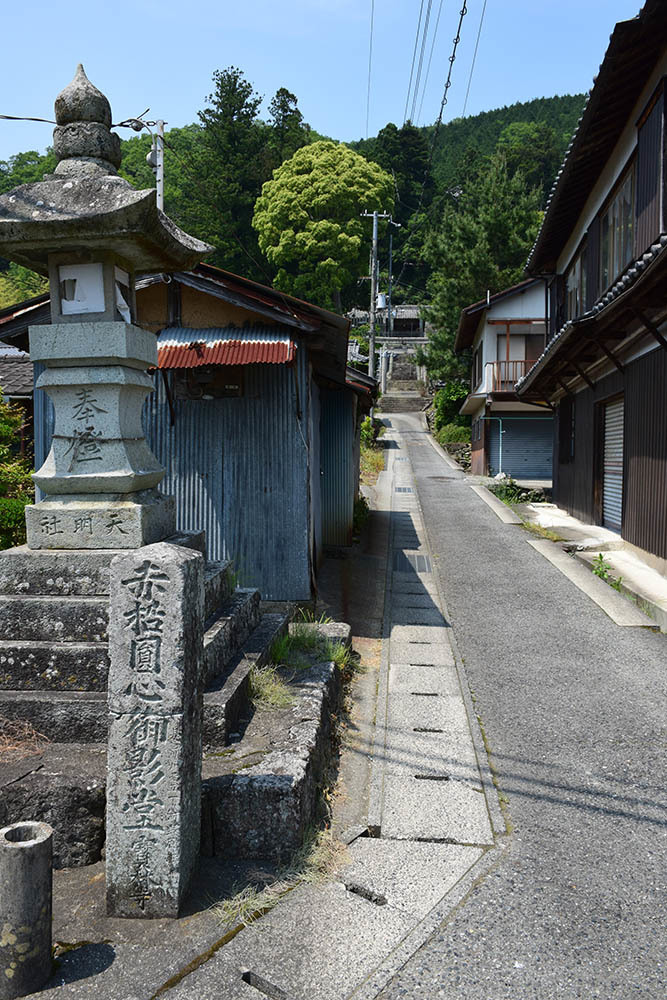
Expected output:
(12, 522)
(446, 404)
(453, 433)
(510, 492)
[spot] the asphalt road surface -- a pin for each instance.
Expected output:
(573, 710)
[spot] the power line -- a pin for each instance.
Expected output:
(18, 118)
(415, 94)
(436, 130)
(412, 68)
(370, 60)
(428, 67)
(474, 58)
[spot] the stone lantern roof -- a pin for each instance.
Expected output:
(84, 204)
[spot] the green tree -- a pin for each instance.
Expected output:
(535, 149)
(482, 243)
(288, 130)
(308, 220)
(16, 488)
(25, 168)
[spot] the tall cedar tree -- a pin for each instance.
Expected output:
(482, 243)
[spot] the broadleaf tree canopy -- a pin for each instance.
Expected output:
(308, 220)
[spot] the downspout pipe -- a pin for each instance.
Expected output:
(500, 442)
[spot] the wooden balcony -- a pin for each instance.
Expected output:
(502, 376)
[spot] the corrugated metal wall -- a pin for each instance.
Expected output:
(315, 469)
(574, 486)
(337, 425)
(239, 467)
(645, 453)
(527, 446)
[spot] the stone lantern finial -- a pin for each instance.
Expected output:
(82, 141)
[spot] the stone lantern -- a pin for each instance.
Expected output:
(92, 234)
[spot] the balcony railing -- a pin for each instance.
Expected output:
(501, 376)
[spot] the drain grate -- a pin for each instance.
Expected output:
(403, 489)
(407, 562)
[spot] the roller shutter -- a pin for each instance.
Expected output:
(612, 487)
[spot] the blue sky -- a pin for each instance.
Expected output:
(162, 54)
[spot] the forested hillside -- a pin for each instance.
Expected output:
(468, 199)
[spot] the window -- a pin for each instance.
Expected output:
(575, 283)
(617, 231)
(477, 368)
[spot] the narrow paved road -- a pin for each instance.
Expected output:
(573, 708)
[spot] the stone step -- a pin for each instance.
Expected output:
(53, 619)
(258, 797)
(218, 579)
(81, 716)
(48, 666)
(390, 403)
(73, 572)
(402, 385)
(227, 699)
(234, 622)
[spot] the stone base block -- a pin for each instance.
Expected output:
(65, 572)
(101, 521)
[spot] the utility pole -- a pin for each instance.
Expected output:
(390, 315)
(155, 160)
(374, 286)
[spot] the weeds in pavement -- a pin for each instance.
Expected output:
(314, 863)
(602, 569)
(540, 532)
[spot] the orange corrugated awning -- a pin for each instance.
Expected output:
(183, 347)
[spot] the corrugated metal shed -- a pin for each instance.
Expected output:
(182, 347)
(239, 467)
(338, 465)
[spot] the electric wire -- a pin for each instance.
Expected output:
(370, 62)
(455, 44)
(414, 56)
(415, 93)
(428, 66)
(474, 58)
(19, 118)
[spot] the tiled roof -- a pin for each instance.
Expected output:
(622, 284)
(15, 372)
(183, 347)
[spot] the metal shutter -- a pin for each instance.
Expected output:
(612, 489)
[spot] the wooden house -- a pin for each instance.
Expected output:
(505, 333)
(602, 250)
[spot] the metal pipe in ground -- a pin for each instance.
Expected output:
(26, 855)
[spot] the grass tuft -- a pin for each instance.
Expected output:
(540, 532)
(268, 689)
(315, 862)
